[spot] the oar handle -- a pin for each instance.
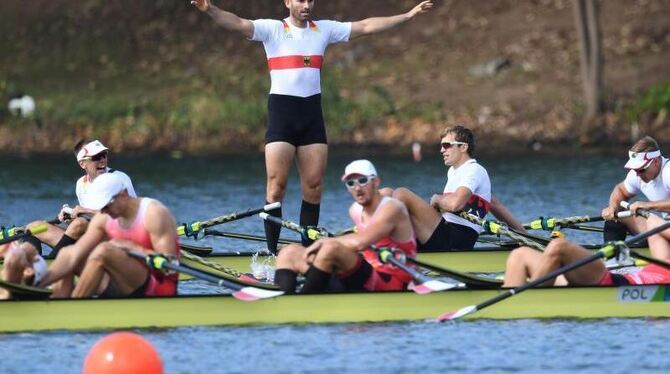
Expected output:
(640, 212)
(22, 234)
(311, 233)
(192, 229)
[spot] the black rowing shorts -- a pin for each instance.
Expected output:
(295, 120)
(449, 236)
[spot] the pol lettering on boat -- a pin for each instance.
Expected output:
(642, 294)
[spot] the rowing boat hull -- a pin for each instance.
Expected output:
(485, 261)
(216, 310)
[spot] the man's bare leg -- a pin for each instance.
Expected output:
(424, 217)
(659, 244)
(312, 161)
(278, 159)
(127, 274)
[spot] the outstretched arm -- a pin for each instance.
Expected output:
(227, 20)
(377, 24)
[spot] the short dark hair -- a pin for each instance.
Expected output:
(646, 144)
(462, 134)
(80, 144)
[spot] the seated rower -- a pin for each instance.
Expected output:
(437, 224)
(526, 263)
(21, 264)
(649, 175)
(380, 220)
(124, 224)
(92, 157)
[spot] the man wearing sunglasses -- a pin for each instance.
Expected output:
(92, 157)
(649, 174)
(468, 188)
(295, 48)
(380, 220)
(125, 223)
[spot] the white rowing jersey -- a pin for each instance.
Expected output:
(474, 177)
(295, 54)
(654, 190)
(83, 185)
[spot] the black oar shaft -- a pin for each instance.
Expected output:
(194, 227)
(234, 235)
(190, 271)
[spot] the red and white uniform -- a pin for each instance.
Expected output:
(83, 183)
(650, 274)
(399, 278)
(474, 177)
(159, 284)
(295, 55)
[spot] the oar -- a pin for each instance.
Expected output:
(498, 228)
(241, 292)
(196, 249)
(422, 284)
(311, 233)
(640, 212)
(192, 229)
(24, 292)
(234, 235)
(608, 250)
(549, 223)
(15, 234)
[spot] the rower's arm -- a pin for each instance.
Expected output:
(377, 24)
(162, 229)
(659, 205)
(383, 225)
(69, 257)
(452, 202)
(225, 19)
(503, 214)
(619, 194)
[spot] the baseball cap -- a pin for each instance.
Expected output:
(103, 189)
(361, 167)
(90, 149)
(637, 160)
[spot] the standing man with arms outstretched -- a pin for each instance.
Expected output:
(295, 48)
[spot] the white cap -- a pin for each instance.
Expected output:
(103, 189)
(637, 160)
(361, 167)
(91, 149)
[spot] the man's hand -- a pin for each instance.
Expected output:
(639, 205)
(421, 8)
(609, 213)
(312, 250)
(435, 201)
(202, 5)
(65, 213)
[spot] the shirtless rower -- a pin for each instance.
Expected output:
(526, 263)
(92, 157)
(649, 174)
(295, 48)
(468, 188)
(125, 223)
(380, 220)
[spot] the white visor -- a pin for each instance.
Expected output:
(637, 160)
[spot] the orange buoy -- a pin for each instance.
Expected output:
(123, 352)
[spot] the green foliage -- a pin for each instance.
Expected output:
(651, 103)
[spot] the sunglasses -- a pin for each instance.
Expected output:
(644, 168)
(98, 157)
(447, 145)
(360, 181)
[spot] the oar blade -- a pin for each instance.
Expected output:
(450, 316)
(254, 293)
(429, 286)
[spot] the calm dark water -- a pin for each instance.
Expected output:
(201, 188)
